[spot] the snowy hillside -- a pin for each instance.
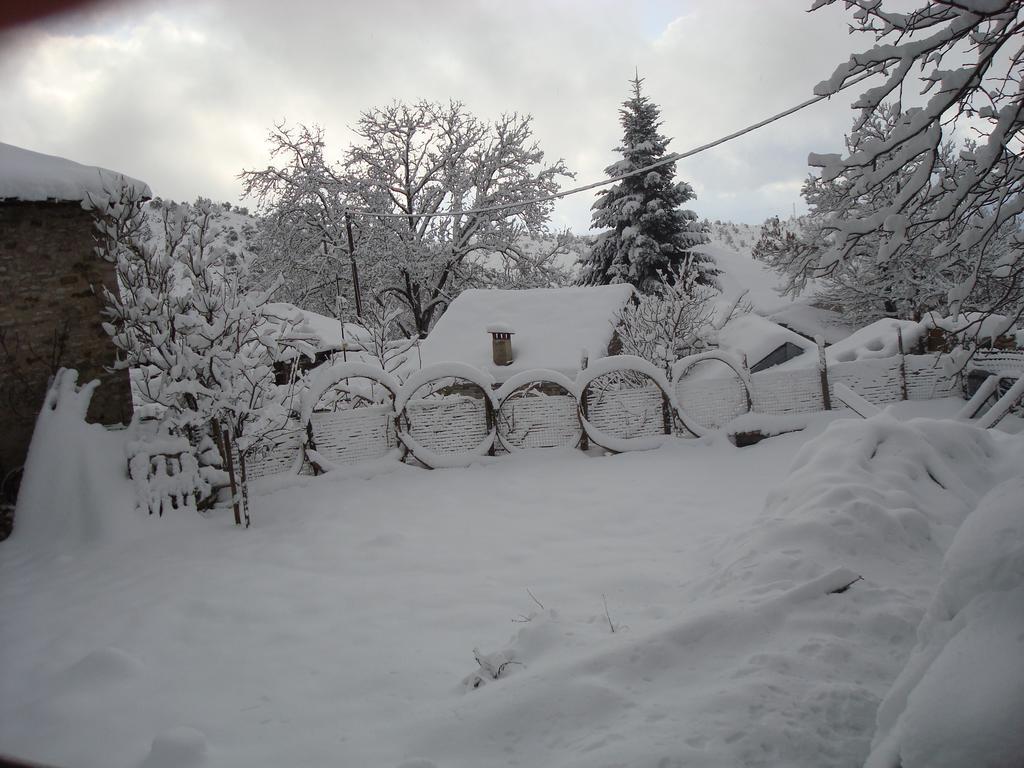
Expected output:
(731, 246)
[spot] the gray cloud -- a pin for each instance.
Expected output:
(182, 94)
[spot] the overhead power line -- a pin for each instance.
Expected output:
(674, 157)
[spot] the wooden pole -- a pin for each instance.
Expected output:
(584, 443)
(666, 414)
(826, 398)
(355, 269)
(903, 365)
(311, 444)
(245, 488)
(489, 410)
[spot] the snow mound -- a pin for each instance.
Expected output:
(75, 490)
(864, 494)
(104, 665)
(960, 698)
(180, 747)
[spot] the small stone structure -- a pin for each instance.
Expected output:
(501, 343)
(51, 295)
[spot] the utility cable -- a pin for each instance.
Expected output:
(674, 157)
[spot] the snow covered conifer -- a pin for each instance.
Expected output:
(650, 237)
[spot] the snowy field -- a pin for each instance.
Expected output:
(340, 629)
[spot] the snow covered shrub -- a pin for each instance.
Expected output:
(677, 318)
(168, 472)
(202, 346)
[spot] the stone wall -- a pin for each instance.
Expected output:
(50, 302)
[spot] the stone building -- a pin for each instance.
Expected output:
(51, 295)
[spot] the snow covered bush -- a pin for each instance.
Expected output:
(383, 338)
(202, 346)
(667, 323)
(676, 318)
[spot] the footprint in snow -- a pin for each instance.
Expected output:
(180, 747)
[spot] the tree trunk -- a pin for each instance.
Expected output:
(229, 461)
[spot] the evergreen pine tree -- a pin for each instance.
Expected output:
(650, 238)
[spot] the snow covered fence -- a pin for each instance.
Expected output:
(879, 381)
(462, 416)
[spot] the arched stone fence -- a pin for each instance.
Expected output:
(452, 422)
(450, 414)
(537, 409)
(725, 398)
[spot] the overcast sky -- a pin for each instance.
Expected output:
(181, 94)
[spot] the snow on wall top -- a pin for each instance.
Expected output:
(30, 176)
(552, 327)
(756, 337)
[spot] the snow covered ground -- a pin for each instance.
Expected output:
(342, 629)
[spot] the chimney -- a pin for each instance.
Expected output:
(501, 343)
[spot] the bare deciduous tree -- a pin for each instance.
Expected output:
(409, 163)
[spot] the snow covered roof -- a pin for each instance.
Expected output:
(879, 339)
(27, 175)
(973, 326)
(552, 327)
(756, 337)
(327, 330)
(811, 321)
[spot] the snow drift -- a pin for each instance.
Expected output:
(75, 492)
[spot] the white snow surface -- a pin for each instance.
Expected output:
(552, 327)
(731, 246)
(28, 175)
(684, 612)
